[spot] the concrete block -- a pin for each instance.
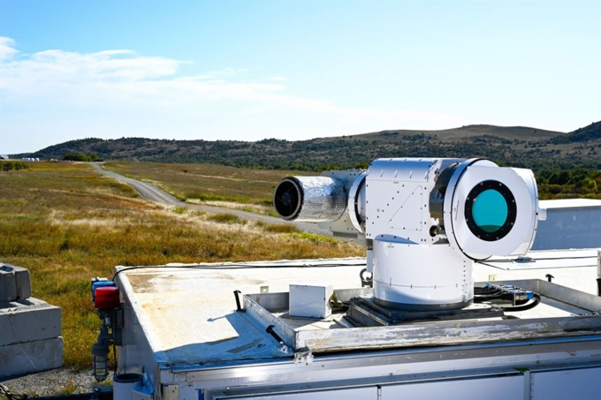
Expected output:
(23, 282)
(15, 282)
(28, 320)
(27, 358)
(8, 284)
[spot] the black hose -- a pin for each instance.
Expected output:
(11, 396)
(366, 282)
(487, 292)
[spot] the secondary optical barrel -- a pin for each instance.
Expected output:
(310, 198)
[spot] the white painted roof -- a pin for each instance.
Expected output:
(188, 312)
(569, 203)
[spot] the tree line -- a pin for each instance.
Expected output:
(570, 183)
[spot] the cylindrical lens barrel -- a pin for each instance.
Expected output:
(310, 198)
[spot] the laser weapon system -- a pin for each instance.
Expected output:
(425, 222)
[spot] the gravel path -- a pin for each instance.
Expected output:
(64, 380)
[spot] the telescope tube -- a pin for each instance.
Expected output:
(310, 198)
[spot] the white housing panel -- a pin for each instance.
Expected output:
(421, 276)
(397, 194)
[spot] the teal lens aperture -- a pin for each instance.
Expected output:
(490, 210)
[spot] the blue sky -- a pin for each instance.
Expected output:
(248, 70)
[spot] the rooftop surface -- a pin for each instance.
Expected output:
(188, 312)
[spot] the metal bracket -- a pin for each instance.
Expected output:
(170, 392)
(117, 327)
(303, 356)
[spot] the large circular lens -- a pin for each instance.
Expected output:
(288, 198)
(490, 210)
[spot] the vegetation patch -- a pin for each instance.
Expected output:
(312, 237)
(80, 157)
(574, 183)
(225, 218)
(277, 228)
(13, 165)
(217, 197)
(247, 208)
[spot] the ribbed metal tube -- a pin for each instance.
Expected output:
(310, 198)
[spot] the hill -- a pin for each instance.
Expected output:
(589, 133)
(517, 146)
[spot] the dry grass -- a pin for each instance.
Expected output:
(207, 183)
(67, 224)
(264, 209)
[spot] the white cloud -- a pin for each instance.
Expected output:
(51, 67)
(55, 95)
(7, 48)
(227, 71)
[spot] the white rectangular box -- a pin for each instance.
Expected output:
(312, 301)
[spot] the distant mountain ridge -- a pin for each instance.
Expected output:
(516, 146)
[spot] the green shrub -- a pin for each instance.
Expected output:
(10, 165)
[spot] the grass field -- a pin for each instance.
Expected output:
(206, 182)
(67, 224)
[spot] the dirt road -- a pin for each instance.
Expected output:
(145, 190)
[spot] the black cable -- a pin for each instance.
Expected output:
(543, 259)
(528, 306)
(517, 260)
(114, 359)
(487, 292)
(488, 265)
(366, 282)
(487, 289)
(492, 292)
(521, 305)
(484, 297)
(238, 266)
